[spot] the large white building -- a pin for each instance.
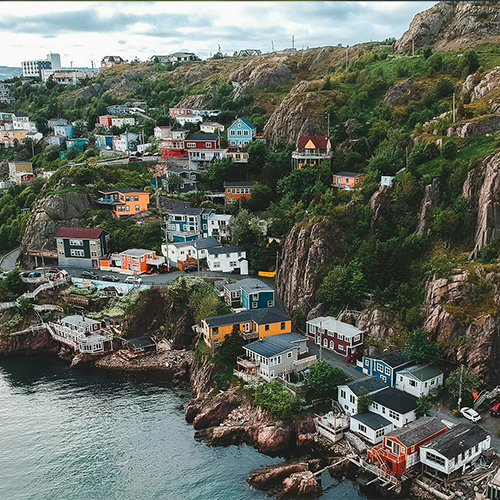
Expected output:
(35, 68)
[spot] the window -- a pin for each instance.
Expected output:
(431, 457)
(342, 394)
(60, 252)
(380, 367)
(208, 145)
(279, 359)
(340, 336)
(476, 448)
(379, 433)
(400, 378)
(411, 382)
(312, 328)
(283, 325)
(352, 399)
(394, 415)
(375, 406)
(216, 265)
(128, 208)
(395, 447)
(191, 144)
(289, 355)
(239, 132)
(384, 378)
(362, 428)
(356, 338)
(77, 253)
(266, 328)
(137, 208)
(332, 344)
(76, 243)
(60, 241)
(341, 347)
(325, 342)
(254, 305)
(387, 370)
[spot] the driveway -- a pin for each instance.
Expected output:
(9, 262)
(335, 360)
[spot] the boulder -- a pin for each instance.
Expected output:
(269, 477)
(396, 92)
(212, 414)
(301, 485)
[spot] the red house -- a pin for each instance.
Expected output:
(236, 190)
(106, 121)
(174, 144)
(348, 180)
(399, 450)
(342, 338)
(202, 141)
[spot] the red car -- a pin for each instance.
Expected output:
(163, 270)
(150, 270)
(495, 409)
(134, 158)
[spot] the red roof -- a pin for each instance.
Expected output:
(86, 233)
(317, 140)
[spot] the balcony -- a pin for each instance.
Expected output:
(313, 153)
(107, 201)
(247, 369)
(157, 261)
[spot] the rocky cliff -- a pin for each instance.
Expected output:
(29, 343)
(462, 314)
(300, 113)
(482, 188)
(307, 253)
(47, 216)
(453, 26)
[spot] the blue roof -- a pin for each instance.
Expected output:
(274, 344)
(245, 121)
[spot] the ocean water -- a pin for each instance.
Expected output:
(70, 434)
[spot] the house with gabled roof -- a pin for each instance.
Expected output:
(419, 379)
(227, 259)
(253, 324)
(249, 293)
(450, 453)
(81, 246)
(370, 426)
(385, 366)
(396, 406)
(348, 180)
(272, 357)
(311, 151)
(236, 190)
(241, 132)
(124, 202)
(400, 449)
(186, 223)
(348, 393)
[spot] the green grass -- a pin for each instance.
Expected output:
(478, 147)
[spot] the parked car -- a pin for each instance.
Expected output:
(36, 274)
(91, 275)
(110, 277)
(190, 268)
(23, 275)
(470, 414)
(495, 409)
(151, 270)
(163, 269)
(134, 158)
(133, 279)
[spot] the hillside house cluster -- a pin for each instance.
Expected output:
(15, 128)
(20, 171)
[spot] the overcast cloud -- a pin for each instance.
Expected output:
(87, 31)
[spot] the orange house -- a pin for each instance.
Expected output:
(139, 260)
(348, 180)
(236, 190)
(124, 202)
(400, 449)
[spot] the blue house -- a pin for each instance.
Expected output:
(104, 141)
(386, 366)
(186, 224)
(118, 109)
(64, 130)
(249, 293)
(241, 133)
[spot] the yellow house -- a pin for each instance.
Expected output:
(252, 325)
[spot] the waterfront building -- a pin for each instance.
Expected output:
(348, 393)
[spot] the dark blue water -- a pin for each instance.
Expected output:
(68, 434)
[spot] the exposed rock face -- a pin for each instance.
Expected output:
(301, 485)
(128, 83)
(300, 113)
(264, 74)
(452, 25)
(323, 55)
(475, 343)
(47, 216)
(28, 344)
(488, 217)
(265, 479)
(212, 415)
(380, 203)
(479, 126)
(429, 203)
(183, 334)
(198, 101)
(86, 93)
(482, 85)
(378, 323)
(396, 92)
(307, 252)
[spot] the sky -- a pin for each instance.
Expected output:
(82, 31)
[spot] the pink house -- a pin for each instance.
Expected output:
(348, 180)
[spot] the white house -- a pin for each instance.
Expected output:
(219, 226)
(272, 357)
(120, 121)
(396, 406)
(227, 259)
(419, 379)
(387, 180)
(370, 426)
(211, 127)
(20, 121)
(194, 249)
(348, 393)
(454, 449)
(201, 158)
(163, 132)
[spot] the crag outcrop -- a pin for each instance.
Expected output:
(47, 216)
(453, 26)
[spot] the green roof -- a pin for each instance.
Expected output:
(421, 372)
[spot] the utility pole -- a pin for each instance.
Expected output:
(412, 47)
(320, 342)
(460, 387)
(406, 156)
(293, 41)
(272, 46)
(454, 110)
(276, 268)
(328, 129)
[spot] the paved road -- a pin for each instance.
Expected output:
(488, 423)
(9, 262)
(335, 360)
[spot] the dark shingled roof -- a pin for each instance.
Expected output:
(275, 344)
(372, 420)
(396, 400)
(460, 438)
(371, 384)
(418, 430)
(141, 342)
(395, 358)
(202, 137)
(221, 249)
(84, 233)
(238, 184)
(348, 174)
(260, 316)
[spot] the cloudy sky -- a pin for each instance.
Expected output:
(86, 31)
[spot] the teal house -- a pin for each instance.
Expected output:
(249, 293)
(241, 133)
(78, 143)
